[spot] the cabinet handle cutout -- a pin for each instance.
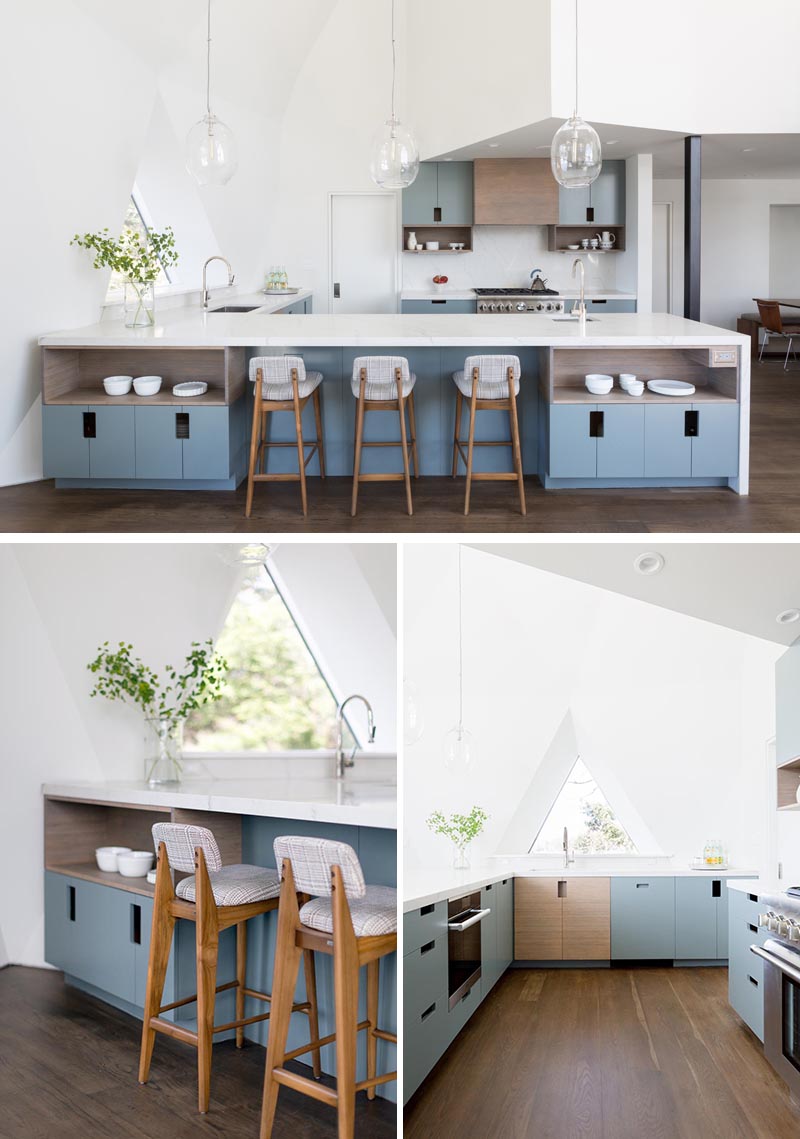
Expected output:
(437, 213)
(89, 425)
(642, 885)
(337, 290)
(426, 910)
(691, 428)
(752, 897)
(181, 424)
(136, 924)
(716, 888)
(71, 902)
(430, 1009)
(562, 888)
(434, 302)
(596, 425)
(752, 981)
(427, 948)
(752, 928)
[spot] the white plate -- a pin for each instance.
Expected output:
(193, 387)
(670, 387)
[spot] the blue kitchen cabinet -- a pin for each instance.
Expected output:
(745, 969)
(696, 918)
(206, 446)
(715, 448)
(722, 922)
(159, 447)
(490, 960)
(604, 305)
(419, 199)
(505, 924)
(620, 448)
(442, 192)
(65, 445)
(573, 447)
(667, 447)
(439, 305)
(642, 919)
(297, 307)
(606, 195)
(787, 705)
(112, 450)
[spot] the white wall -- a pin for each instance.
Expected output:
(635, 268)
(675, 710)
(784, 250)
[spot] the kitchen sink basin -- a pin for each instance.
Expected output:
(574, 319)
(235, 308)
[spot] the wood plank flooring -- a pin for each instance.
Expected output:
(68, 1067)
(649, 1053)
(772, 507)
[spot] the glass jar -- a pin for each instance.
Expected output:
(460, 859)
(140, 304)
(164, 746)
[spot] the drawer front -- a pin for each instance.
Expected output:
(425, 977)
(424, 925)
(425, 1039)
(642, 919)
(459, 1016)
(439, 305)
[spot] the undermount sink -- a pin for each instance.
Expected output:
(574, 319)
(235, 308)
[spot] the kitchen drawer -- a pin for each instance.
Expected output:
(642, 919)
(601, 306)
(425, 976)
(425, 1039)
(439, 305)
(423, 925)
(459, 1016)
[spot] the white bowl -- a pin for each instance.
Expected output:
(625, 380)
(636, 387)
(107, 856)
(431, 244)
(135, 863)
(573, 247)
(117, 385)
(147, 385)
(598, 384)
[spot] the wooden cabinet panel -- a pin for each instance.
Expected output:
(515, 191)
(586, 925)
(537, 920)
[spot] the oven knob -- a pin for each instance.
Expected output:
(492, 308)
(505, 308)
(772, 923)
(521, 306)
(763, 921)
(783, 927)
(794, 931)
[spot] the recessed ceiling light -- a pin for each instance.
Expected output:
(788, 616)
(493, 145)
(748, 150)
(648, 564)
(447, 160)
(612, 142)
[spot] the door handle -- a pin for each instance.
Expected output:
(691, 425)
(89, 425)
(596, 424)
(337, 290)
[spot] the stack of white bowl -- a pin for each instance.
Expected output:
(631, 384)
(598, 384)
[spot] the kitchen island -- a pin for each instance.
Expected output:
(569, 439)
(97, 924)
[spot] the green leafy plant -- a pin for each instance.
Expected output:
(122, 676)
(460, 829)
(139, 257)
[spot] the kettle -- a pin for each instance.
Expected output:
(537, 284)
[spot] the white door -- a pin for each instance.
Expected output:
(662, 257)
(364, 262)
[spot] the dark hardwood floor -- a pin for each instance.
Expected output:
(649, 1053)
(772, 507)
(68, 1066)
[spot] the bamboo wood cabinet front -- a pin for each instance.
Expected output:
(562, 919)
(515, 191)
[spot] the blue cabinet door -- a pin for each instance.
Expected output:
(89, 933)
(455, 192)
(667, 447)
(419, 200)
(722, 922)
(573, 450)
(62, 938)
(608, 194)
(745, 970)
(787, 705)
(572, 205)
(603, 305)
(439, 305)
(696, 906)
(65, 448)
(159, 450)
(490, 961)
(206, 449)
(715, 448)
(112, 451)
(642, 919)
(620, 449)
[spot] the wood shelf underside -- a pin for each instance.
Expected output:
(577, 393)
(89, 872)
(214, 397)
(788, 779)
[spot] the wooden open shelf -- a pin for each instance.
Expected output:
(562, 378)
(560, 236)
(89, 873)
(788, 779)
(75, 375)
(444, 234)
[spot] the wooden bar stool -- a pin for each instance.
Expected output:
(214, 898)
(384, 383)
(490, 383)
(283, 384)
(354, 923)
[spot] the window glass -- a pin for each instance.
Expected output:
(133, 221)
(582, 808)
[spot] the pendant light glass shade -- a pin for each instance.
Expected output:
(576, 155)
(458, 750)
(211, 152)
(394, 161)
(413, 720)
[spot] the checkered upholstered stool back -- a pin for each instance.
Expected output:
(181, 839)
(312, 860)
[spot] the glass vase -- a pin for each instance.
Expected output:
(163, 760)
(460, 859)
(140, 304)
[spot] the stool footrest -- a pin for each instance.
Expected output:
(386, 1078)
(319, 1043)
(303, 1084)
(241, 1023)
(193, 997)
(381, 1035)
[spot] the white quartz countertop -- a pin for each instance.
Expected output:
(471, 295)
(194, 328)
(358, 804)
(423, 887)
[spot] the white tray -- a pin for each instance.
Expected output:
(279, 292)
(671, 387)
(190, 388)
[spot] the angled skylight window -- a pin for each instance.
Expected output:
(135, 221)
(276, 698)
(583, 809)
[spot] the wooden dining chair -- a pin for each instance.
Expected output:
(772, 324)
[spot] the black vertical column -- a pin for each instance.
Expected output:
(691, 233)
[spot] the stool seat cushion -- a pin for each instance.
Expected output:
(280, 391)
(373, 915)
(235, 885)
(382, 390)
(487, 389)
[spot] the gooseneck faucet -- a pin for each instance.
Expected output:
(343, 761)
(568, 858)
(231, 277)
(579, 308)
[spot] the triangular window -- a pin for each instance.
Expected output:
(583, 809)
(135, 216)
(276, 698)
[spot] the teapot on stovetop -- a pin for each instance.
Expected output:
(538, 285)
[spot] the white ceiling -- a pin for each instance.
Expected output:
(724, 156)
(742, 586)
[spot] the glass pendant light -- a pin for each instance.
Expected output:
(413, 719)
(458, 741)
(211, 156)
(394, 160)
(575, 155)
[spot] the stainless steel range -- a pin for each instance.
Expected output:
(781, 956)
(519, 300)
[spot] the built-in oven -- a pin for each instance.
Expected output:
(782, 1009)
(464, 917)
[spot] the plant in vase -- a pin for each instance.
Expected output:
(461, 830)
(138, 258)
(122, 676)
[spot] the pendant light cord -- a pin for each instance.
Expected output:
(394, 64)
(460, 649)
(576, 59)
(208, 62)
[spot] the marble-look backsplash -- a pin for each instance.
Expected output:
(503, 256)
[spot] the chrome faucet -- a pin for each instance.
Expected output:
(231, 277)
(343, 761)
(579, 308)
(568, 858)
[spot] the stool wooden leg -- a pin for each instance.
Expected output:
(345, 984)
(373, 976)
(412, 419)
(472, 413)
(287, 966)
(255, 439)
(160, 944)
(357, 459)
(320, 444)
(207, 933)
(241, 977)
(404, 445)
(313, 1012)
(301, 454)
(459, 405)
(512, 407)
(264, 441)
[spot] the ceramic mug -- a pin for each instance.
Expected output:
(593, 243)
(585, 243)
